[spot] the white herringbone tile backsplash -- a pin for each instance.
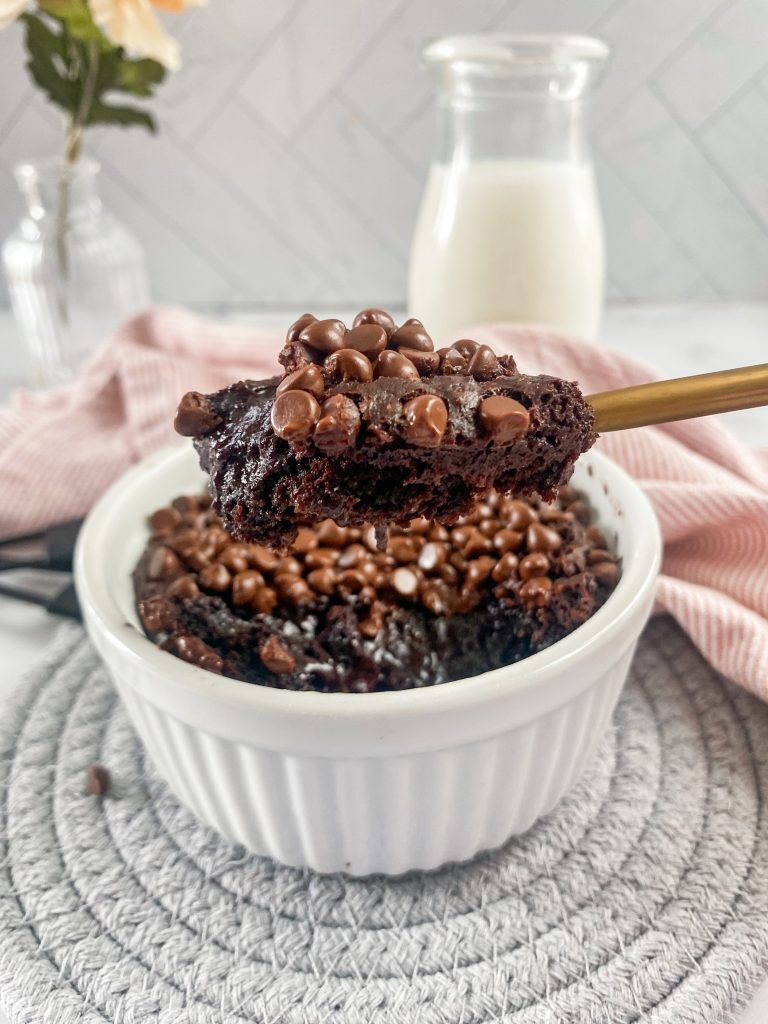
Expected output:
(295, 141)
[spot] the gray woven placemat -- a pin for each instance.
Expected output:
(644, 896)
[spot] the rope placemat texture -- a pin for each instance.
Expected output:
(642, 897)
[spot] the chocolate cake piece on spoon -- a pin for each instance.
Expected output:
(372, 425)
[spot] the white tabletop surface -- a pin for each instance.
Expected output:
(676, 340)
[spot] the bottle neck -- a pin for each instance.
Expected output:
(518, 128)
(55, 189)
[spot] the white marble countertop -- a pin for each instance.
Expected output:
(675, 340)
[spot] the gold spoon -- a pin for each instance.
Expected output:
(684, 398)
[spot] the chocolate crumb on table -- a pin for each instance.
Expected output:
(97, 780)
(337, 613)
(372, 425)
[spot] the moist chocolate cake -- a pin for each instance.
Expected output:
(339, 614)
(371, 425)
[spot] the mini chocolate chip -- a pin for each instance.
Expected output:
(216, 577)
(478, 544)
(293, 589)
(484, 365)
(261, 557)
(338, 426)
(403, 549)
(507, 540)
(535, 564)
(264, 601)
(350, 581)
(306, 378)
(426, 418)
(502, 418)
(505, 568)
(298, 326)
(156, 614)
(439, 598)
(466, 347)
(350, 556)
(405, 582)
(479, 570)
(431, 556)
(329, 533)
(322, 580)
(163, 563)
(236, 557)
(452, 362)
(412, 335)
(321, 558)
(245, 586)
(288, 564)
(606, 573)
(370, 339)
(596, 536)
(305, 541)
(97, 780)
(567, 495)
(597, 555)
(164, 520)
(542, 538)
(294, 415)
(195, 416)
(374, 316)
(191, 648)
(347, 364)
(185, 504)
(372, 624)
(518, 513)
(535, 591)
(581, 510)
(276, 657)
(184, 588)
(427, 363)
(393, 364)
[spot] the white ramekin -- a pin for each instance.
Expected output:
(362, 783)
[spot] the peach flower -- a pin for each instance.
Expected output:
(134, 25)
(10, 10)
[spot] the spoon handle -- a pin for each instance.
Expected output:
(684, 398)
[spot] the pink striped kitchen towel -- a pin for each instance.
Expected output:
(60, 450)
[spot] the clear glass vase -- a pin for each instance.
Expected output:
(74, 272)
(510, 226)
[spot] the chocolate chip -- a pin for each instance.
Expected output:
(412, 335)
(236, 558)
(426, 418)
(479, 570)
(157, 614)
(245, 586)
(163, 563)
(97, 780)
(452, 362)
(542, 538)
(184, 588)
(505, 568)
(484, 365)
(350, 556)
(405, 582)
(338, 426)
(431, 556)
(393, 364)
(293, 589)
(276, 657)
(466, 347)
(350, 581)
(321, 558)
(427, 363)
(535, 564)
(347, 364)
(195, 416)
(507, 540)
(328, 533)
(191, 648)
(519, 514)
(323, 336)
(294, 415)
(502, 418)
(216, 577)
(536, 591)
(403, 549)
(165, 520)
(374, 316)
(298, 326)
(261, 557)
(368, 338)
(322, 580)
(306, 378)
(606, 573)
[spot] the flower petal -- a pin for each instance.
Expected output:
(177, 6)
(134, 25)
(10, 10)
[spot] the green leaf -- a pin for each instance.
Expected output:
(48, 64)
(139, 76)
(75, 16)
(112, 113)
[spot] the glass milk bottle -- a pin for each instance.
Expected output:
(509, 227)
